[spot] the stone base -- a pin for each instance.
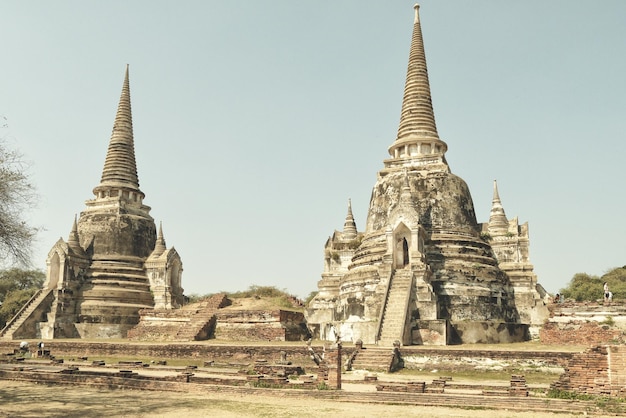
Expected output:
(102, 331)
(487, 332)
(430, 332)
(49, 330)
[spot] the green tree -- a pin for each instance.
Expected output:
(13, 303)
(584, 287)
(17, 195)
(16, 288)
(18, 279)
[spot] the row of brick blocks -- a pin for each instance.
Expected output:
(518, 387)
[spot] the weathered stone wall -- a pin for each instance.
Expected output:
(443, 359)
(433, 332)
(487, 332)
(117, 233)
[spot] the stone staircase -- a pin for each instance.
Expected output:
(200, 323)
(189, 323)
(27, 310)
(395, 312)
(373, 359)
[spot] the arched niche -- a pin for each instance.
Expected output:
(401, 246)
(175, 273)
(55, 271)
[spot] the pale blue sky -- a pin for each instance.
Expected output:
(256, 121)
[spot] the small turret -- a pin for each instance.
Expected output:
(498, 223)
(349, 227)
(159, 247)
(72, 240)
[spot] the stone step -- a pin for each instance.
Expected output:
(394, 313)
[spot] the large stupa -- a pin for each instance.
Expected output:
(424, 270)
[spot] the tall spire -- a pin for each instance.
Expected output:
(497, 217)
(349, 226)
(120, 168)
(418, 140)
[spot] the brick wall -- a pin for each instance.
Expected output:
(579, 333)
(599, 370)
(156, 351)
(261, 325)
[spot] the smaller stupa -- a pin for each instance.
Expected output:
(113, 264)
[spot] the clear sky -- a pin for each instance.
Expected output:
(255, 122)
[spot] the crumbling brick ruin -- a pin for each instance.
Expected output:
(584, 323)
(208, 319)
(600, 370)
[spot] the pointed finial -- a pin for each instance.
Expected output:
(349, 226)
(417, 12)
(496, 195)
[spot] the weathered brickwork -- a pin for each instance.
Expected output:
(579, 333)
(261, 325)
(599, 370)
(241, 354)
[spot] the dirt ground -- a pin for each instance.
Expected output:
(20, 399)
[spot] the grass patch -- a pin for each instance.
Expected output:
(608, 404)
(271, 297)
(564, 394)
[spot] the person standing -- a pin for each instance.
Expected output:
(607, 293)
